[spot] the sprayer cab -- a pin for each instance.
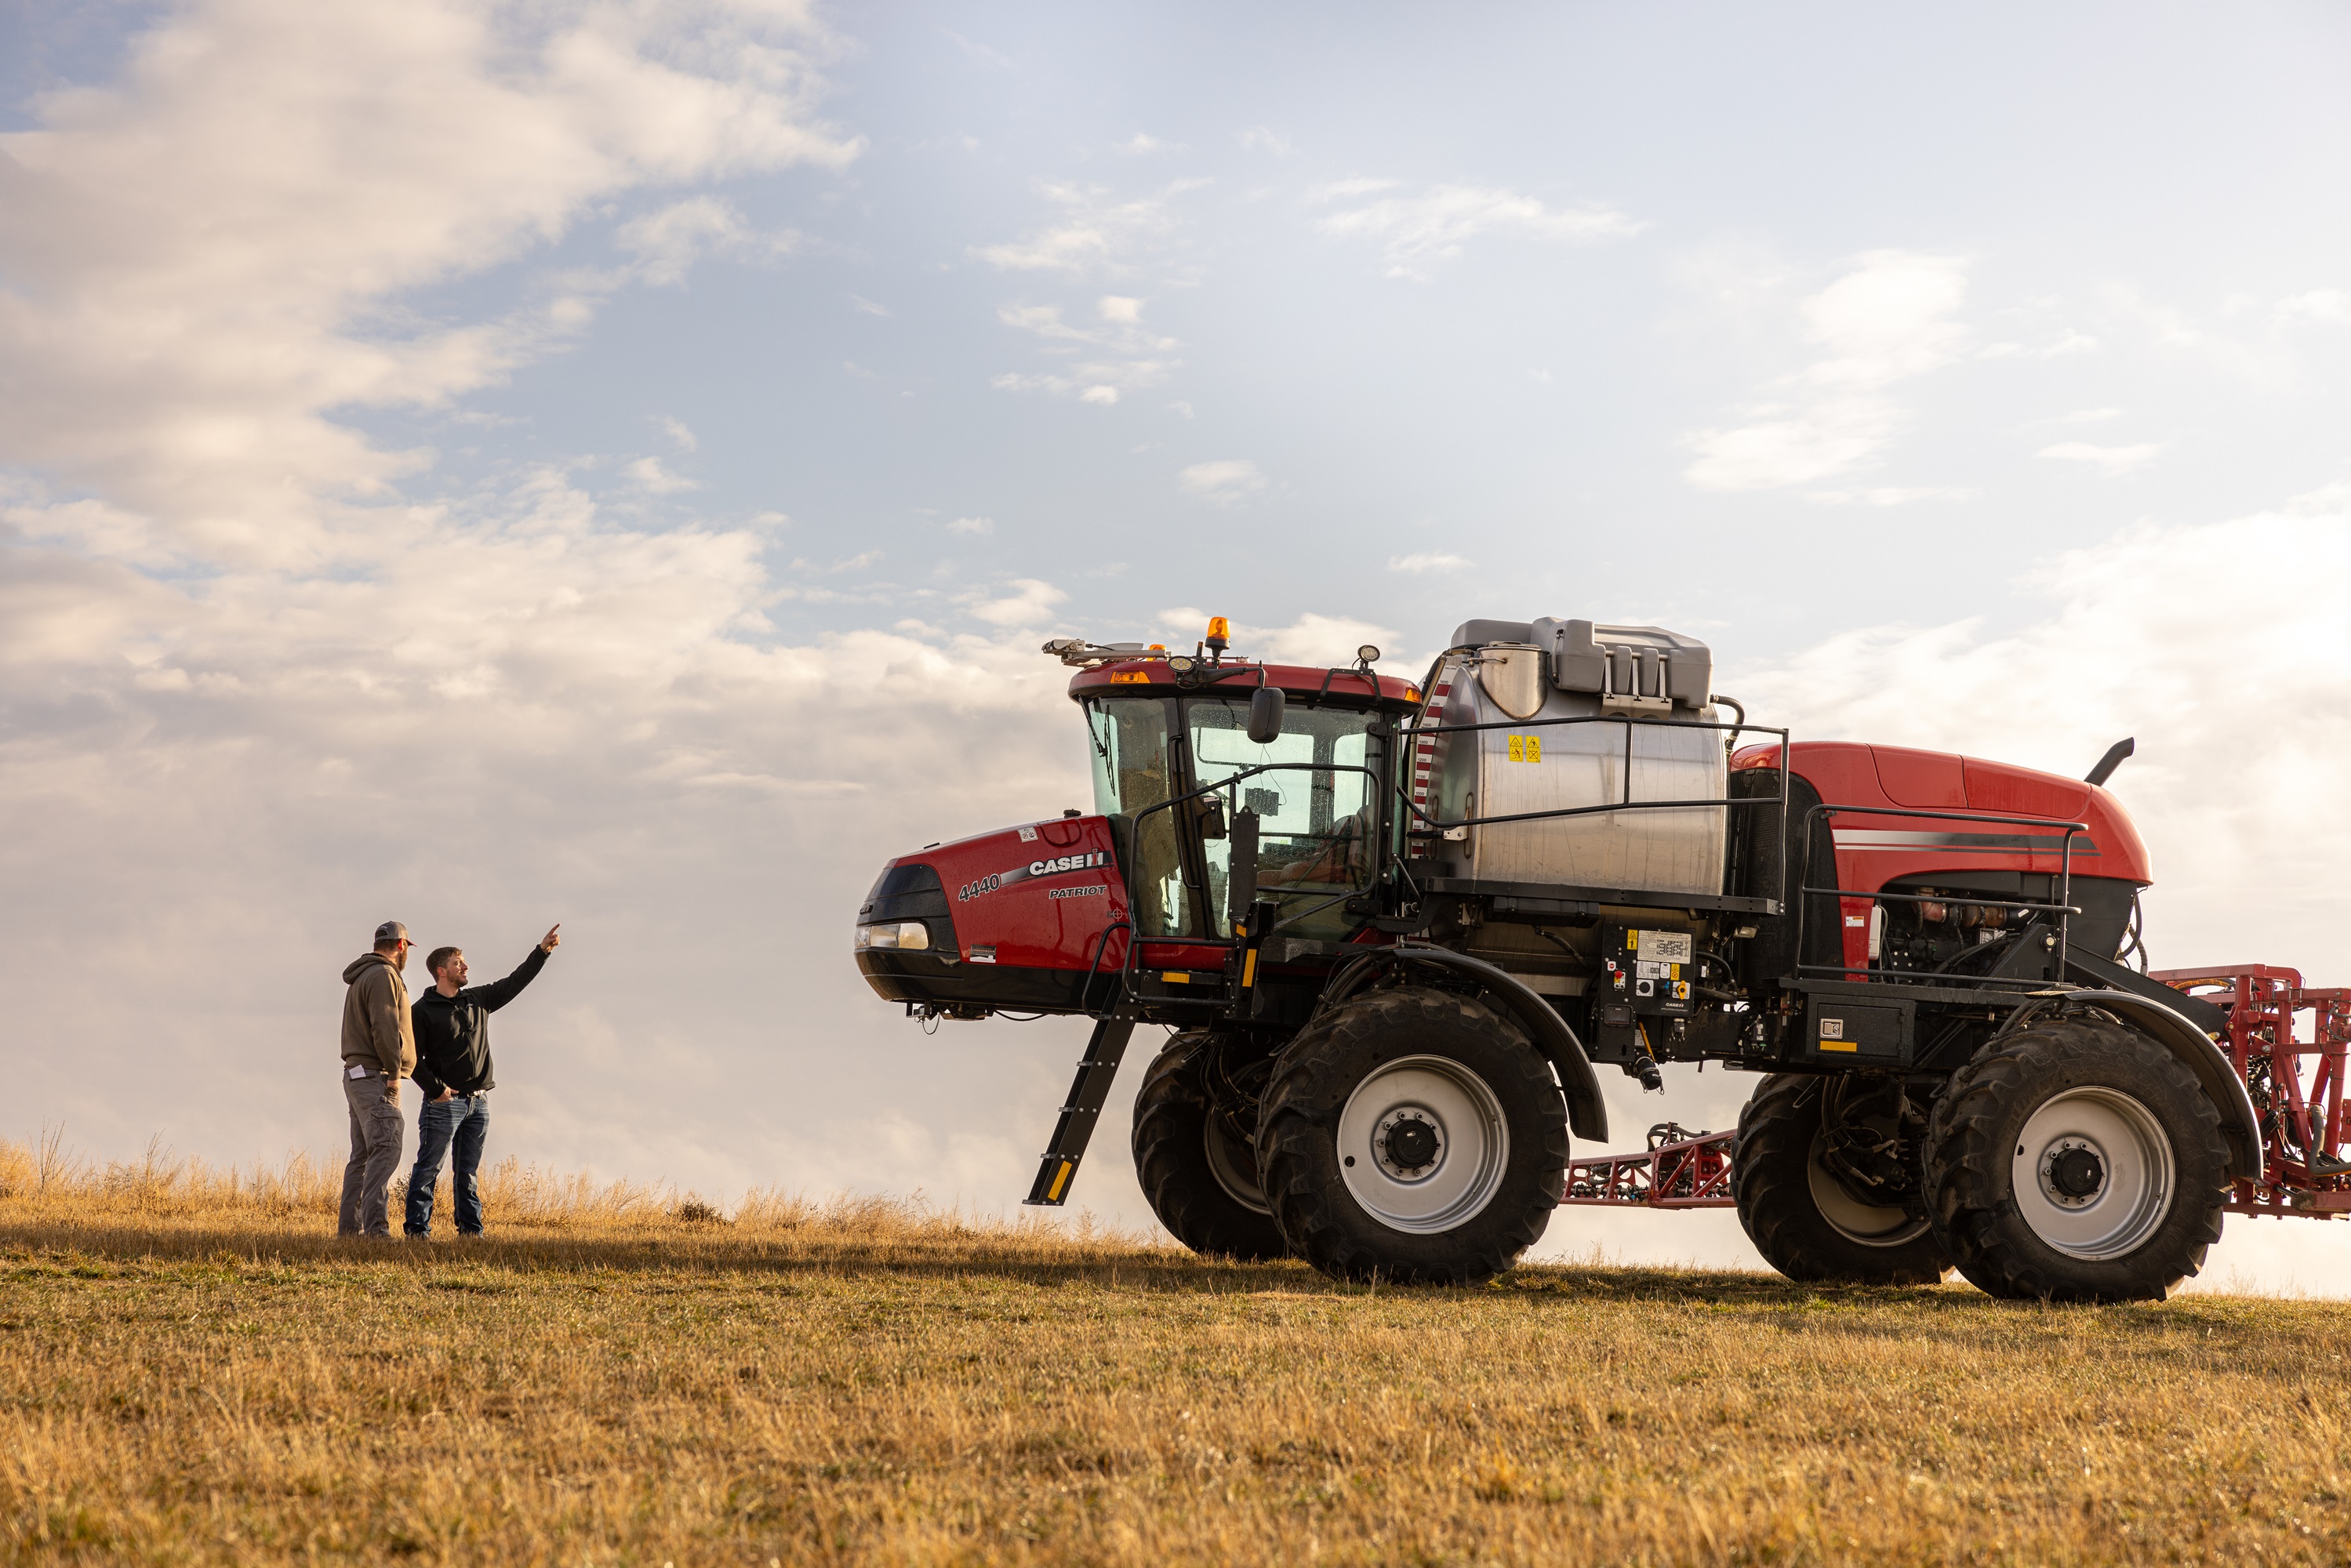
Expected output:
(1137, 903)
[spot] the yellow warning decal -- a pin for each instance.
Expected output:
(1176, 978)
(1248, 969)
(1060, 1180)
(1838, 1045)
(1525, 748)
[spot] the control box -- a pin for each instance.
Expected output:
(1643, 982)
(1649, 971)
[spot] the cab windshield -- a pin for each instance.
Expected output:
(1315, 814)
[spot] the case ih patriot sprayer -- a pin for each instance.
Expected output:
(1395, 929)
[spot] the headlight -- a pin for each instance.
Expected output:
(893, 934)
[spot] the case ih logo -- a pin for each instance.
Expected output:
(1058, 866)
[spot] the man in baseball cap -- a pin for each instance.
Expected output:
(378, 1050)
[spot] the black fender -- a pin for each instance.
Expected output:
(2194, 1050)
(1587, 1113)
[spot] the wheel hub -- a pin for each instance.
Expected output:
(1410, 1144)
(2075, 1172)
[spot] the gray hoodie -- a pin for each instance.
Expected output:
(376, 1031)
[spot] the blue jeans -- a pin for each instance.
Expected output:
(460, 1122)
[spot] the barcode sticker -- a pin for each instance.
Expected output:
(1664, 946)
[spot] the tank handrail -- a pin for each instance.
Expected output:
(1589, 810)
(1624, 718)
(2063, 908)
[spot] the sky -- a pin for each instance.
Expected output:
(485, 465)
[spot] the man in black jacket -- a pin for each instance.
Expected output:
(453, 1068)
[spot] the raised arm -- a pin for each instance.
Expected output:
(498, 993)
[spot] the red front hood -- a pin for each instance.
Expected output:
(1037, 896)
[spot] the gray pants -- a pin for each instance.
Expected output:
(377, 1128)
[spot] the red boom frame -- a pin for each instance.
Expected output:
(2296, 1126)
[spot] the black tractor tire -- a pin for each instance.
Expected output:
(2076, 1160)
(1203, 1188)
(1414, 1136)
(1803, 1223)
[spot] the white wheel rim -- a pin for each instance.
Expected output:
(2104, 1205)
(1444, 1102)
(1234, 1169)
(1867, 1224)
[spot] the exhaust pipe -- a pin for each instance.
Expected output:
(2110, 761)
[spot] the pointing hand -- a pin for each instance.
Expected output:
(551, 942)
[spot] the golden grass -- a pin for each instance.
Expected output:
(193, 1369)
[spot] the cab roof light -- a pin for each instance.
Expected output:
(1221, 636)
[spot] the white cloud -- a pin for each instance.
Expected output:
(978, 528)
(2068, 341)
(1887, 320)
(2331, 306)
(675, 429)
(1416, 232)
(1792, 444)
(868, 306)
(1888, 496)
(650, 476)
(2107, 459)
(1425, 563)
(1028, 605)
(1224, 483)
(1095, 232)
(1258, 138)
(1123, 330)
(1340, 189)
(1138, 355)
(198, 258)
(1140, 145)
(858, 562)
(667, 243)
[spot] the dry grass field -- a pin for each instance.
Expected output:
(194, 1369)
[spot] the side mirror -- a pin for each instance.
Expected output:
(1241, 875)
(1265, 714)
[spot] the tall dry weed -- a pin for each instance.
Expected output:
(47, 1184)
